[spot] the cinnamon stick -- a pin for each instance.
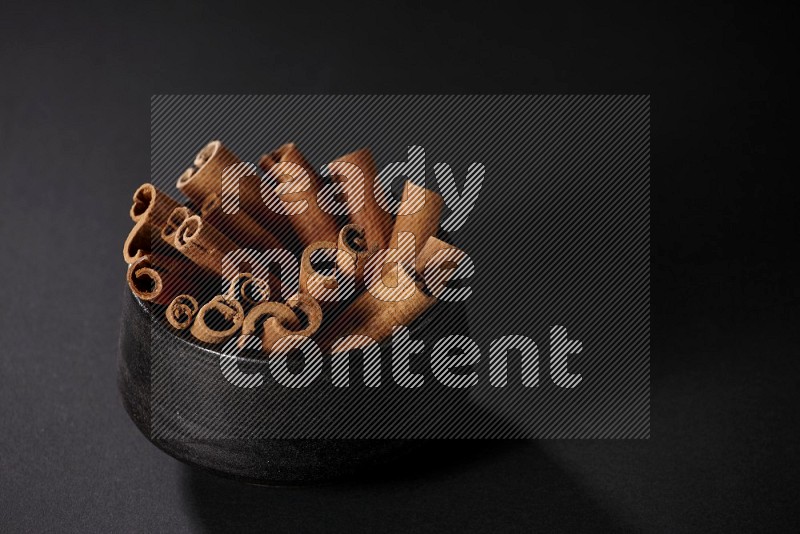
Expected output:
(206, 247)
(319, 286)
(249, 290)
(376, 318)
(285, 165)
(420, 213)
(181, 311)
(239, 226)
(149, 211)
(213, 166)
(355, 249)
(308, 312)
(374, 220)
(204, 177)
(265, 310)
(301, 315)
(159, 278)
(196, 239)
(218, 320)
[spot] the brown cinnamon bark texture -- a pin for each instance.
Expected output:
(376, 318)
(249, 290)
(420, 213)
(219, 177)
(181, 311)
(312, 224)
(159, 278)
(263, 315)
(173, 222)
(198, 240)
(204, 177)
(218, 319)
(149, 211)
(311, 282)
(354, 250)
(308, 312)
(301, 316)
(235, 214)
(376, 222)
(239, 227)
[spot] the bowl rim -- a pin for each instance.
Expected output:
(145, 307)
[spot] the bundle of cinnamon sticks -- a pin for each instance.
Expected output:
(347, 277)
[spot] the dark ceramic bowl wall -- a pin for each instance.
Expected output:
(270, 461)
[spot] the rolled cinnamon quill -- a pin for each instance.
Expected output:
(249, 290)
(239, 226)
(159, 278)
(301, 316)
(286, 165)
(263, 315)
(207, 247)
(181, 311)
(420, 213)
(375, 318)
(196, 239)
(375, 221)
(254, 290)
(218, 319)
(149, 211)
(353, 252)
(313, 283)
(174, 221)
(204, 177)
(218, 176)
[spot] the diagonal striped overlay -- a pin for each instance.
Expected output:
(560, 241)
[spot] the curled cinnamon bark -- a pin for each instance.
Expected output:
(301, 315)
(144, 281)
(311, 281)
(206, 247)
(239, 226)
(149, 202)
(420, 213)
(374, 318)
(249, 289)
(374, 220)
(218, 320)
(355, 249)
(149, 211)
(308, 313)
(181, 311)
(159, 278)
(261, 316)
(254, 290)
(312, 224)
(173, 222)
(204, 177)
(196, 239)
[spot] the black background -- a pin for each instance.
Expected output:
(74, 143)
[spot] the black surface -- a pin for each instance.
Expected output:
(74, 144)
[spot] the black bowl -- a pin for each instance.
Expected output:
(261, 461)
